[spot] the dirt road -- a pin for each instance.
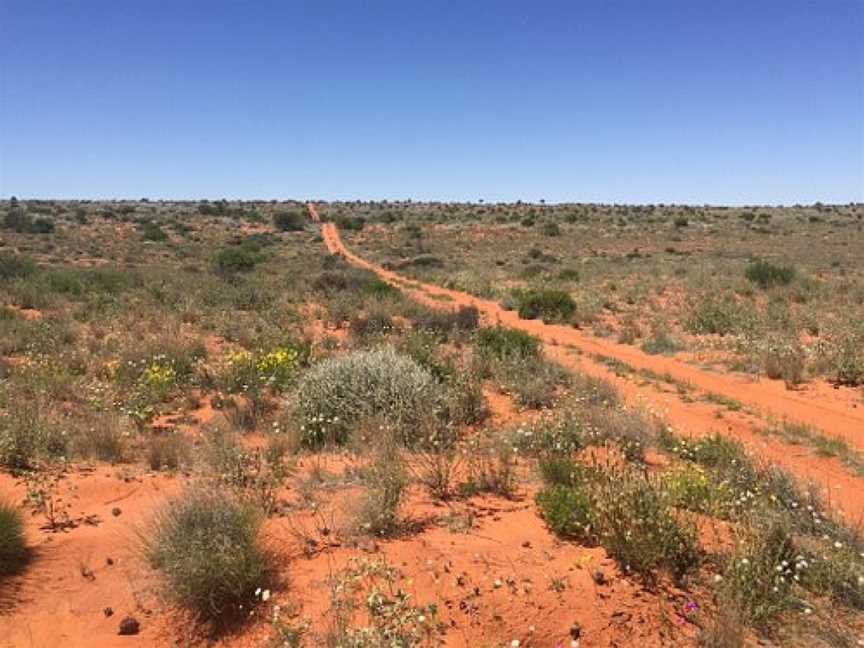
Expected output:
(831, 412)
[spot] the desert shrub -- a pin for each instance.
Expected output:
(237, 259)
(376, 321)
(638, 525)
(369, 589)
(568, 274)
(720, 315)
(566, 510)
(26, 435)
(783, 358)
(661, 341)
(153, 232)
(549, 305)
(289, 221)
(378, 511)
(491, 466)
(465, 318)
(463, 401)
(355, 223)
(423, 347)
(558, 469)
(13, 266)
(766, 274)
(381, 382)
(500, 342)
(253, 475)
(100, 436)
(846, 356)
(692, 488)
(169, 451)
(533, 381)
(207, 546)
(551, 229)
(13, 547)
(759, 576)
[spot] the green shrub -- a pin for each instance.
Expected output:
(13, 266)
(766, 274)
(289, 221)
(714, 314)
(208, 547)
(551, 229)
(153, 232)
(566, 510)
(465, 318)
(640, 528)
(237, 259)
(532, 380)
(13, 547)
(340, 391)
(549, 305)
(26, 435)
(42, 225)
(500, 342)
(355, 223)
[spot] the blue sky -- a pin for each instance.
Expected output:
(610, 101)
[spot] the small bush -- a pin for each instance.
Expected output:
(783, 358)
(549, 305)
(168, 452)
(13, 266)
(237, 259)
(500, 343)
(340, 391)
(640, 528)
(465, 318)
(533, 381)
(153, 232)
(289, 221)
(207, 546)
(566, 510)
(13, 547)
(766, 274)
(551, 229)
(378, 511)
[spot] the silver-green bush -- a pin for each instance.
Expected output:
(381, 382)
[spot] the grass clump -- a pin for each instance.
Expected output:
(13, 547)
(341, 391)
(500, 342)
(767, 275)
(548, 305)
(207, 545)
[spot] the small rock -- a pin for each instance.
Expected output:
(527, 544)
(575, 631)
(109, 561)
(116, 511)
(129, 626)
(108, 612)
(599, 577)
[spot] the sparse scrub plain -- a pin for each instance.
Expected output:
(273, 417)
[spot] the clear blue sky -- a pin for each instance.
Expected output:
(755, 101)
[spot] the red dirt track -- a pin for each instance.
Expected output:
(832, 412)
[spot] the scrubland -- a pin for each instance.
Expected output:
(424, 424)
